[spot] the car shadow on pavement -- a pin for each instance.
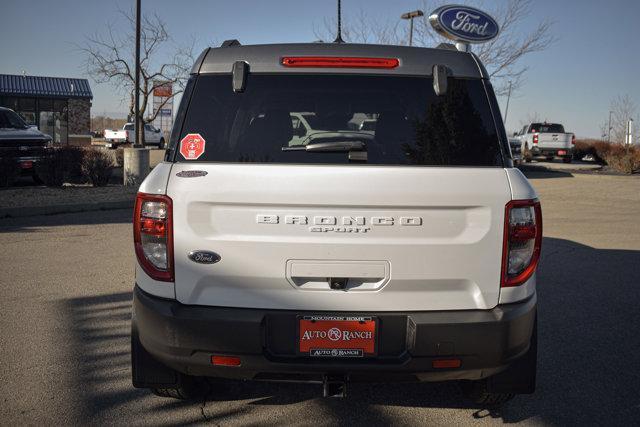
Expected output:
(541, 172)
(588, 364)
(30, 223)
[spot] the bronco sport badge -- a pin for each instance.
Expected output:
(344, 224)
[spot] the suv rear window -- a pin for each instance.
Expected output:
(317, 119)
(546, 128)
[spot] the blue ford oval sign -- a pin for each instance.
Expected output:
(464, 24)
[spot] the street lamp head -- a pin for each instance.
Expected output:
(411, 15)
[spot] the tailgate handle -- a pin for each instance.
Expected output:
(337, 275)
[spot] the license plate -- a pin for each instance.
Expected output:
(337, 336)
(562, 153)
(26, 165)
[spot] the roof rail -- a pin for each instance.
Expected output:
(229, 43)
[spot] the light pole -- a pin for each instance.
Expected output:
(339, 35)
(137, 128)
(506, 110)
(410, 16)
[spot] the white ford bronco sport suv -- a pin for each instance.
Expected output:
(407, 253)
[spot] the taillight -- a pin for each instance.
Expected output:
(535, 138)
(153, 235)
(522, 241)
(573, 139)
(339, 62)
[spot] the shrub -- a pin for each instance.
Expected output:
(120, 157)
(97, 166)
(60, 165)
(9, 171)
(593, 147)
(623, 158)
(619, 157)
(51, 169)
(72, 158)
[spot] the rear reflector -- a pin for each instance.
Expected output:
(225, 360)
(446, 363)
(339, 62)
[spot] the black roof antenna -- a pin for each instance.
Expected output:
(339, 36)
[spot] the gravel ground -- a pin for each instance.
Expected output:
(48, 196)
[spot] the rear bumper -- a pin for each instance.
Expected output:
(185, 337)
(545, 151)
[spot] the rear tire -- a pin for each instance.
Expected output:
(526, 154)
(37, 179)
(477, 392)
(161, 144)
(191, 388)
(149, 373)
(518, 378)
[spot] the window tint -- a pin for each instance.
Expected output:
(546, 128)
(408, 123)
(128, 127)
(9, 119)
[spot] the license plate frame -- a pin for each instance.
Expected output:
(319, 346)
(26, 164)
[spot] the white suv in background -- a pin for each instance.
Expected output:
(406, 253)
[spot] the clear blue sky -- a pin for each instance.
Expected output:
(596, 58)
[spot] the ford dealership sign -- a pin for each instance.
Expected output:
(464, 24)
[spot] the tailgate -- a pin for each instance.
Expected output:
(403, 238)
(554, 140)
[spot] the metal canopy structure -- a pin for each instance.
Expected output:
(50, 87)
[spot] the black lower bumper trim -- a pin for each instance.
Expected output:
(184, 338)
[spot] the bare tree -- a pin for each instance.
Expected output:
(622, 109)
(531, 117)
(111, 58)
(501, 56)
(604, 130)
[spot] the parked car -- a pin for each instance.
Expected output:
(546, 139)
(408, 255)
(152, 136)
(25, 144)
(304, 134)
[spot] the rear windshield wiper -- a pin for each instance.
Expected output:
(333, 146)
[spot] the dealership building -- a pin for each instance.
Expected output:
(60, 107)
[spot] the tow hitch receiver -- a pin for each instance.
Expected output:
(334, 386)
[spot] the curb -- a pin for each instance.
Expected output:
(21, 212)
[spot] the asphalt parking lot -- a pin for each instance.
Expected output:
(66, 284)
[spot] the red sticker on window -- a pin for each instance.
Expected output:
(192, 146)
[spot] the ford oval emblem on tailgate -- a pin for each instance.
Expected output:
(204, 257)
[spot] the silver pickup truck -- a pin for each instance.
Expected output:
(545, 139)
